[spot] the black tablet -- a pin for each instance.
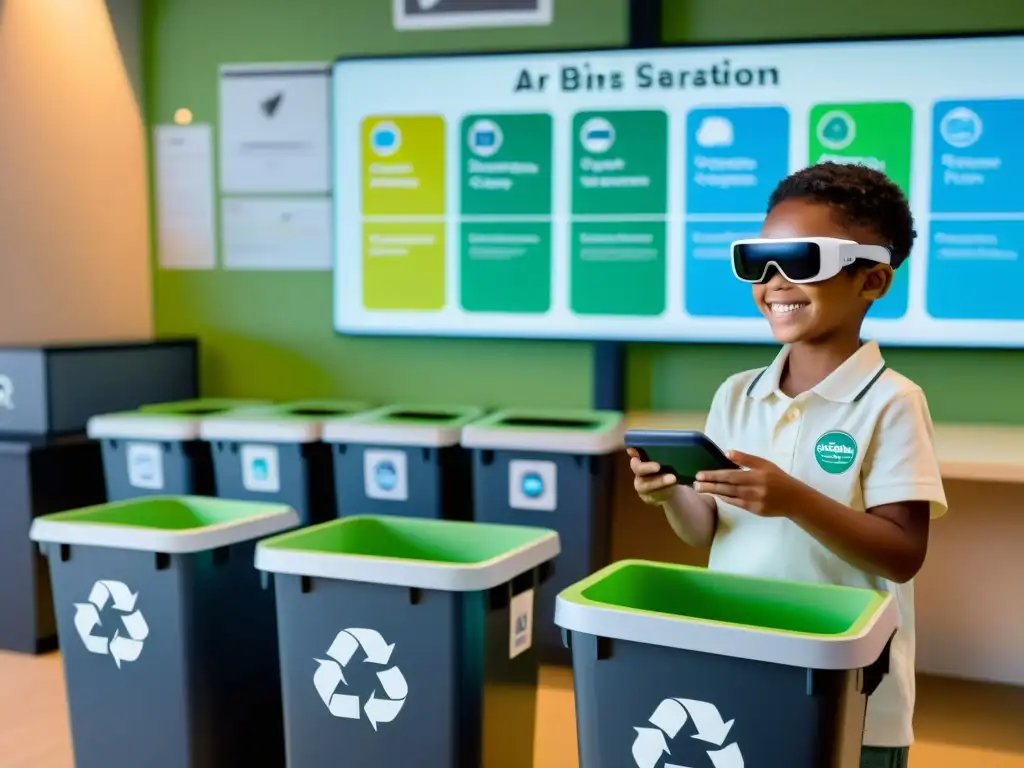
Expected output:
(682, 453)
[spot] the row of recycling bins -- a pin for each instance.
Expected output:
(327, 459)
(206, 633)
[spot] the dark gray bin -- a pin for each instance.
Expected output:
(168, 640)
(677, 665)
(403, 460)
(407, 642)
(156, 450)
(37, 477)
(55, 389)
(552, 469)
(276, 454)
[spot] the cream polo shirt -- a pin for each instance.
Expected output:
(864, 437)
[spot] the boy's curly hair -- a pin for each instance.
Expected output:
(859, 196)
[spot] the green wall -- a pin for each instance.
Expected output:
(269, 334)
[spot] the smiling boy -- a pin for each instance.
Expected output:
(841, 476)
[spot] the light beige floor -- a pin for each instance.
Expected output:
(958, 724)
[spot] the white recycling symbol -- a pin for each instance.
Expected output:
(329, 676)
(669, 718)
(126, 643)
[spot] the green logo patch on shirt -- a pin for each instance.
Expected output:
(835, 452)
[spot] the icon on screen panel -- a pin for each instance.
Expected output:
(597, 135)
(836, 130)
(385, 138)
(960, 127)
(715, 131)
(485, 138)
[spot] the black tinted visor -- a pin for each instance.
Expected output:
(797, 261)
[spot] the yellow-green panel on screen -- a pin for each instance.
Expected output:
(403, 265)
(403, 166)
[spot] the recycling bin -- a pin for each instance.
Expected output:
(168, 639)
(408, 641)
(38, 476)
(553, 469)
(403, 460)
(156, 450)
(676, 665)
(276, 454)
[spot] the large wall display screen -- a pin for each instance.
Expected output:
(595, 194)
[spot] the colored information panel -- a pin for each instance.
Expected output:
(403, 175)
(505, 224)
(595, 194)
(619, 208)
(976, 228)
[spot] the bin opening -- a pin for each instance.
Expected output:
(548, 423)
(167, 514)
(421, 416)
(456, 543)
(720, 597)
(200, 410)
(321, 412)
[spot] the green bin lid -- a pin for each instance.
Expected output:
(453, 556)
(171, 524)
(427, 426)
(548, 431)
(800, 624)
(298, 421)
(163, 421)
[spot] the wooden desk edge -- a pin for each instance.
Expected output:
(999, 468)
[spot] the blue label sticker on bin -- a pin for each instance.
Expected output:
(532, 485)
(385, 475)
(145, 466)
(260, 470)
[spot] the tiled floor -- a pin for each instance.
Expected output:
(959, 724)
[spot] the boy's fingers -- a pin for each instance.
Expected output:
(654, 484)
(729, 476)
(746, 460)
(717, 489)
(644, 467)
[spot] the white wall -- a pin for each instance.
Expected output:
(74, 242)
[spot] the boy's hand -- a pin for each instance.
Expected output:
(762, 488)
(652, 487)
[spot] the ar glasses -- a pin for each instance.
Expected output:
(802, 259)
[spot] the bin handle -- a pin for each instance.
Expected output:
(871, 676)
(868, 678)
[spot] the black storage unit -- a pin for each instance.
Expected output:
(47, 395)
(38, 476)
(55, 389)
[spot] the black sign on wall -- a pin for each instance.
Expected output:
(462, 14)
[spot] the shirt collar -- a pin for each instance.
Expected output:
(846, 384)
